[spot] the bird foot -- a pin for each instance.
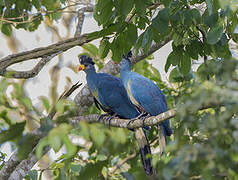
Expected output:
(143, 118)
(108, 118)
(141, 115)
(102, 116)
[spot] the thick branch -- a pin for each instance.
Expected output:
(123, 123)
(27, 74)
(45, 51)
(137, 123)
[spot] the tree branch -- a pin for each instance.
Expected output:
(27, 74)
(150, 121)
(88, 8)
(45, 51)
(119, 165)
(123, 123)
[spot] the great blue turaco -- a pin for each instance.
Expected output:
(146, 96)
(110, 95)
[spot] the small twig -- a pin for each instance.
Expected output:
(119, 165)
(64, 95)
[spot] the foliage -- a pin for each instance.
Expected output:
(204, 144)
(27, 14)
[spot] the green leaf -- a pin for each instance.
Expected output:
(45, 103)
(103, 11)
(140, 6)
(215, 34)
(104, 48)
(101, 157)
(70, 147)
(5, 117)
(40, 146)
(75, 167)
(211, 20)
(173, 59)
(26, 144)
(118, 47)
(98, 136)
(91, 48)
(196, 16)
(123, 7)
(175, 75)
(132, 33)
(60, 106)
(92, 171)
(127, 175)
(185, 64)
(194, 49)
(161, 21)
(33, 174)
(104, 32)
(54, 140)
(147, 40)
(13, 132)
(27, 102)
(187, 17)
(6, 29)
(209, 6)
(35, 23)
(36, 3)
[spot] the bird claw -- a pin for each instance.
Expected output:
(142, 116)
(131, 120)
(102, 116)
(109, 118)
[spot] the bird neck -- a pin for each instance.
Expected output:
(91, 77)
(91, 73)
(125, 69)
(126, 65)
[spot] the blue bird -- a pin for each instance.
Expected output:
(146, 96)
(111, 96)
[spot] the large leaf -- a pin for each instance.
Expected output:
(211, 20)
(147, 40)
(215, 34)
(91, 48)
(26, 144)
(185, 64)
(123, 7)
(132, 33)
(209, 6)
(161, 21)
(13, 132)
(104, 48)
(6, 29)
(92, 171)
(103, 11)
(173, 59)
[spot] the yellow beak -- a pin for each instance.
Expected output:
(81, 67)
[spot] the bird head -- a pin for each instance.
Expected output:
(126, 61)
(86, 63)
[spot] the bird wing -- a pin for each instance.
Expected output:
(112, 94)
(146, 94)
(149, 96)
